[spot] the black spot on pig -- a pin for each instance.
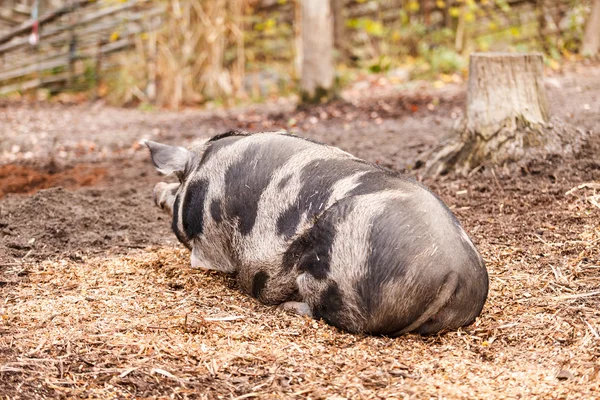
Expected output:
(379, 180)
(316, 259)
(311, 252)
(193, 208)
(331, 305)
(294, 252)
(283, 182)
(246, 180)
(386, 243)
(318, 178)
(372, 182)
(175, 224)
(287, 222)
(215, 211)
(216, 145)
(258, 283)
(230, 133)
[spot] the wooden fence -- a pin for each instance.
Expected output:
(67, 46)
(76, 37)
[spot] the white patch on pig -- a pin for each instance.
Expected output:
(164, 195)
(343, 187)
(180, 211)
(199, 262)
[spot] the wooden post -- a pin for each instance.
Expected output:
(317, 47)
(97, 69)
(71, 59)
(152, 67)
(427, 6)
(238, 23)
(299, 57)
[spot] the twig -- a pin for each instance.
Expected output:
(594, 332)
(507, 325)
(247, 396)
(27, 255)
(575, 296)
(496, 180)
(498, 375)
(4, 368)
(38, 348)
(232, 318)
(127, 372)
(587, 185)
(594, 201)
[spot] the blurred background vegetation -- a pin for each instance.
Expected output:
(189, 52)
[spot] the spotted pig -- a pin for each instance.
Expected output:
(318, 231)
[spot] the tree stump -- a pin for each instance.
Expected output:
(507, 116)
(317, 69)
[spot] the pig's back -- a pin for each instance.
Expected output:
(261, 192)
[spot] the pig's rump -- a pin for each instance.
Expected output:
(390, 262)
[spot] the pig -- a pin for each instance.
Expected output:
(322, 233)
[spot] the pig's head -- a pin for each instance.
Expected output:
(170, 160)
(171, 197)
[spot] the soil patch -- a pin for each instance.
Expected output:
(57, 221)
(23, 179)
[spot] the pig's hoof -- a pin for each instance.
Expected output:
(297, 307)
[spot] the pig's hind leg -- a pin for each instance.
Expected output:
(270, 286)
(326, 301)
(297, 307)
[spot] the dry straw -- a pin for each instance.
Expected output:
(196, 55)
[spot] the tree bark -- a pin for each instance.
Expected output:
(339, 27)
(591, 37)
(317, 73)
(507, 116)
(504, 89)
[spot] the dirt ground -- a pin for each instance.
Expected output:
(97, 299)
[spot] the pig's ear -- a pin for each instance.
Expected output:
(169, 159)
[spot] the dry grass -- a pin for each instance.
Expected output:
(198, 54)
(146, 325)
